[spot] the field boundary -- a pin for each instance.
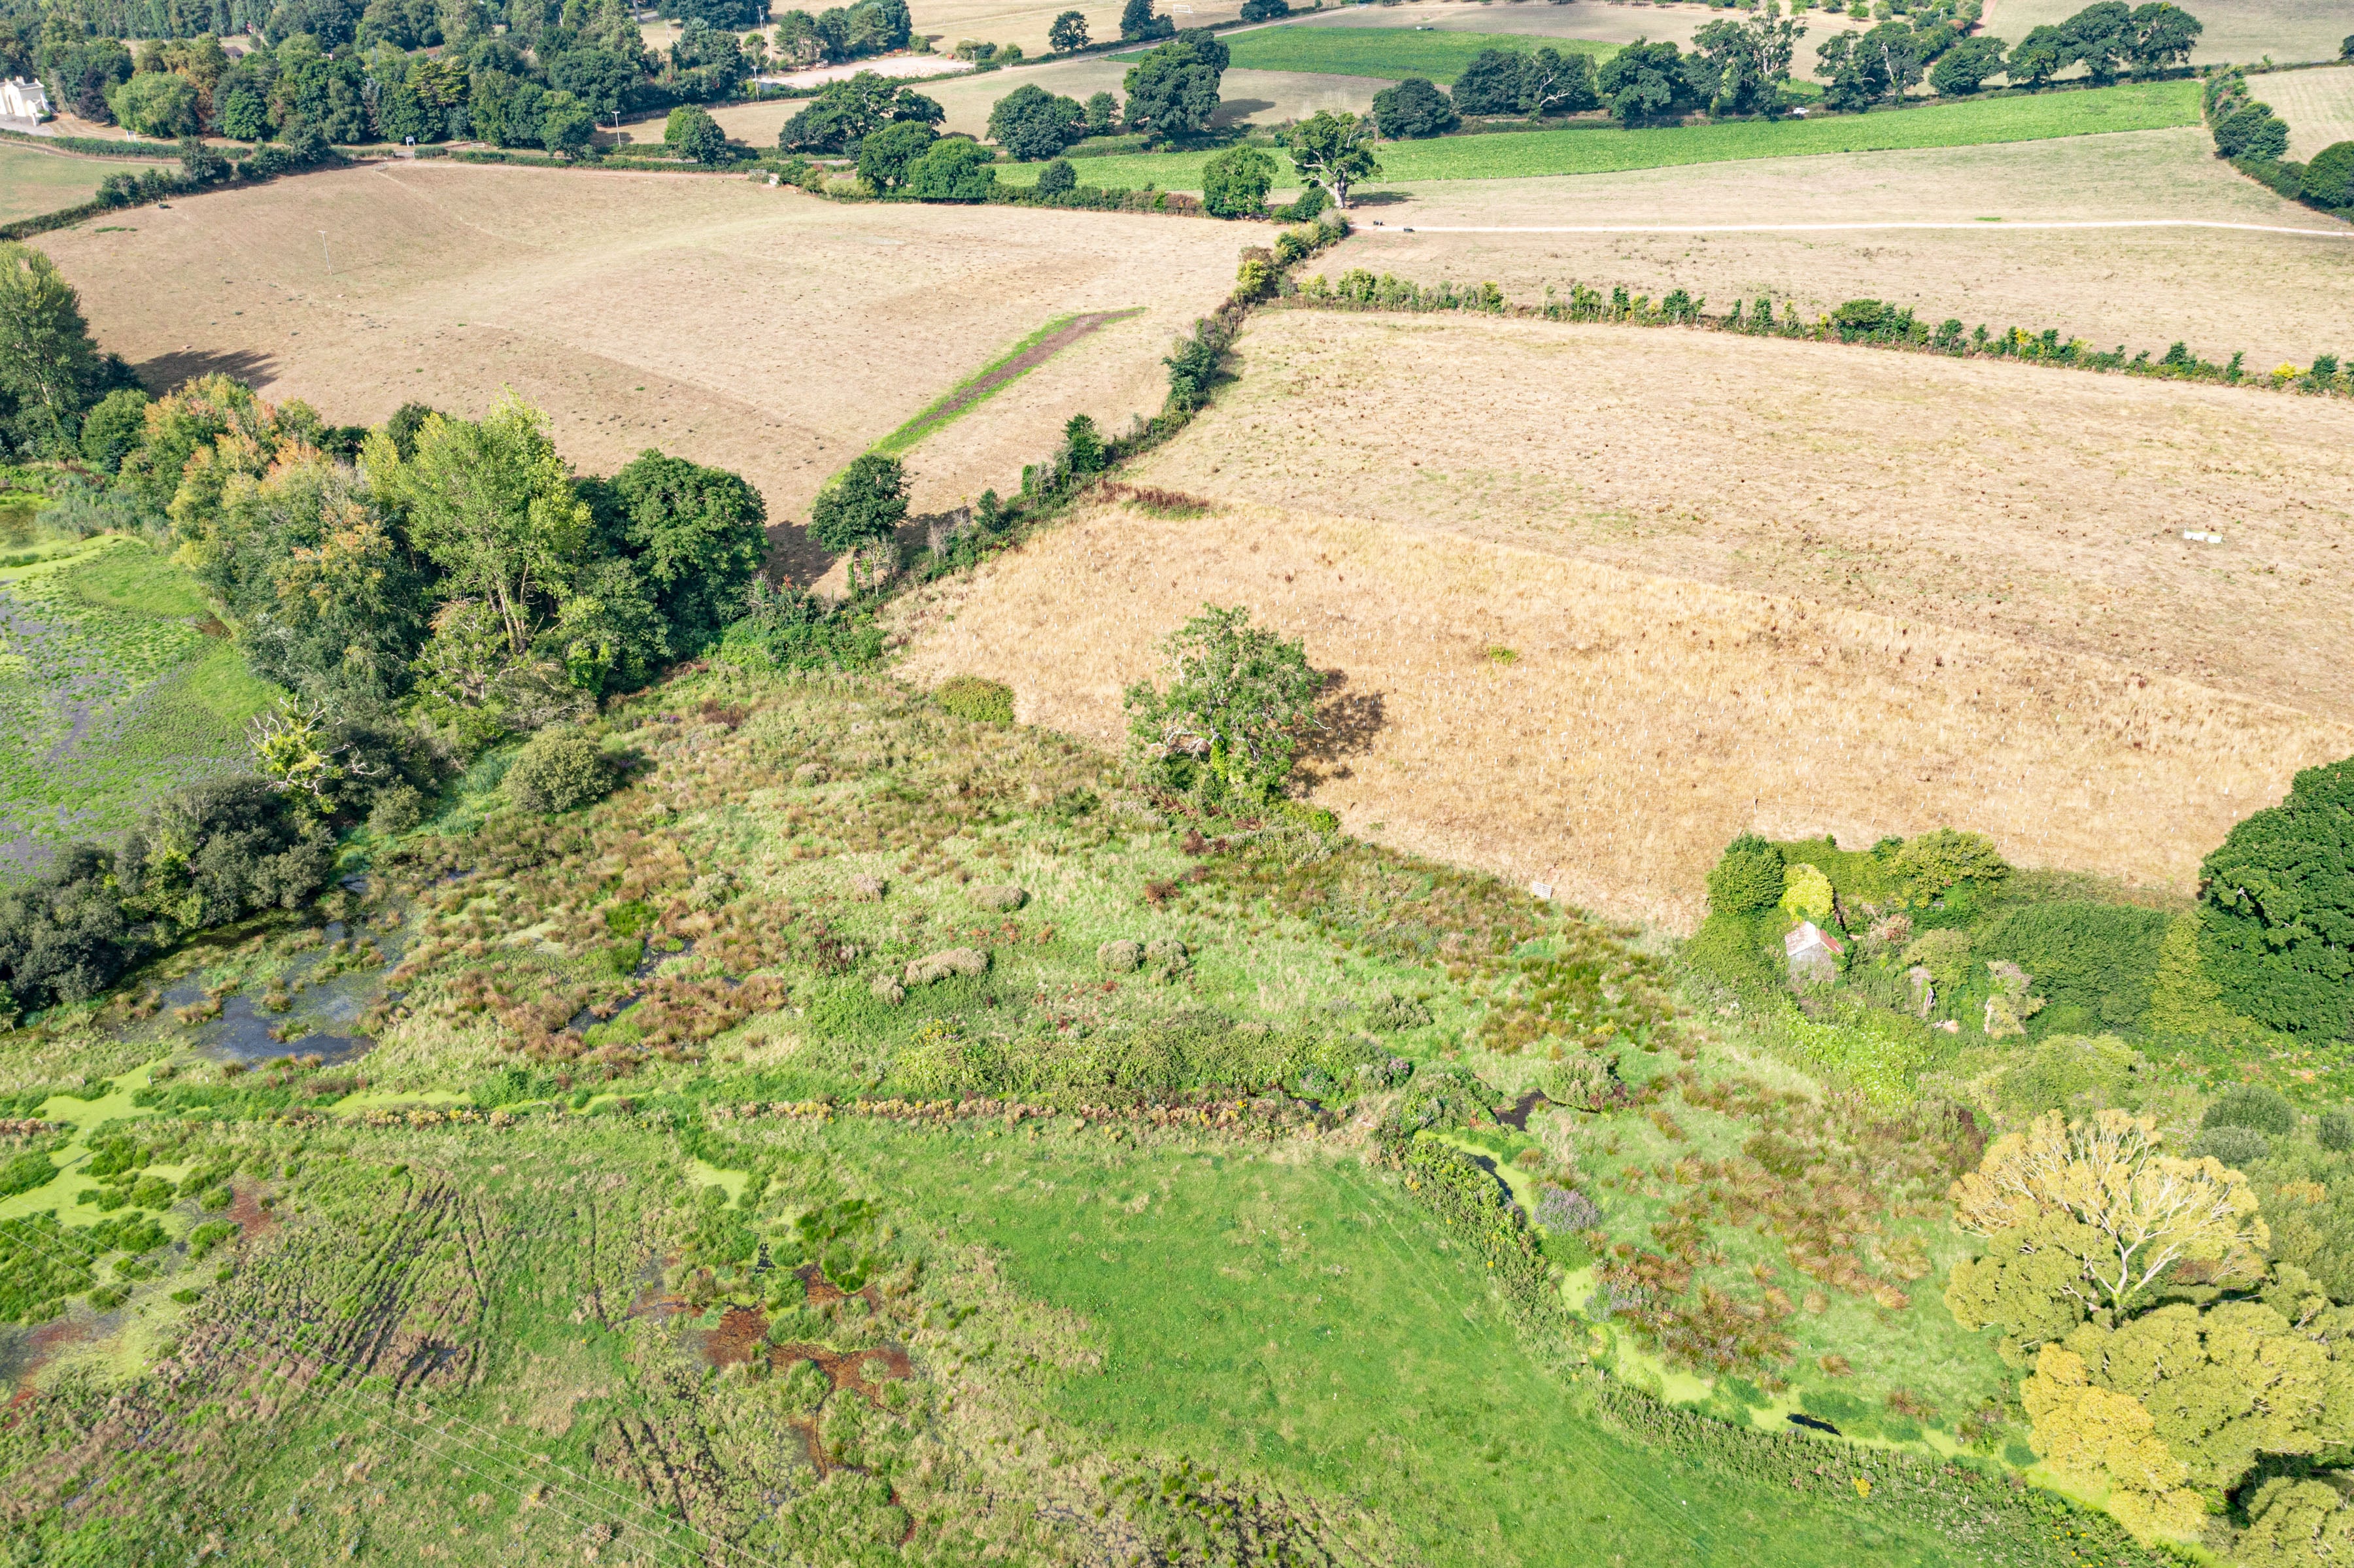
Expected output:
(1982, 227)
(1026, 354)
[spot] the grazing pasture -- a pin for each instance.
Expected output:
(2242, 31)
(2319, 105)
(33, 182)
(723, 321)
(1389, 53)
(1629, 592)
(1599, 149)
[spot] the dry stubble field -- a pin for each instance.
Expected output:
(1744, 583)
(2319, 105)
(2235, 30)
(762, 330)
(2274, 296)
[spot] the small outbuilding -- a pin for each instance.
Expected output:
(1814, 954)
(23, 99)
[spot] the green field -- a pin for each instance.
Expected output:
(114, 684)
(33, 182)
(2142, 106)
(1390, 53)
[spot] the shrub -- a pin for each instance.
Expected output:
(1937, 863)
(1057, 177)
(2236, 1147)
(1240, 699)
(2099, 956)
(2329, 178)
(955, 169)
(1413, 110)
(864, 504)
(1730, 948)
(1310, 204)
(219, 851)
(2335, 1129)
(2276, 907)
(559, 770)
(2257, 1106)
(397, 811)
(1234, 182)
(971, 697)
(1945, 954)
(1806, 893)
(27, 1171)
(1747, 878)
(65, 937)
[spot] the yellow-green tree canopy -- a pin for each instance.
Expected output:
(2106, 1172)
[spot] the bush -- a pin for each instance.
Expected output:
(971, 697)
(2099, 956)
(2237, 1147)
(1413, 110)
(1057, 177)
(27, 1171)
(1747, 878)
(1806, 893)
(2329, 178)
(559, 770)
(1234, 182)
(1310, 205)
(215, 852)
(1945, 954)
(2335, 1130)
(2257, 1106)
(397, 811)
(954, 170)
(1937, 863)
(2276, 908)
(65, 937)
(1731, 948)
(864, 504)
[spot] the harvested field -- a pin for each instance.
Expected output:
(1741, 588)
(1390, 53)
(2319, 105)
(640, 310)
(1243, 95)
(1603, 21)
(1015, 22)
(2242, 30)
(2274, 296)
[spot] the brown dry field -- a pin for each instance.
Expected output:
(761, 330)
(2235, 30)
(2274, 296)
(1013, 21)
(1749, 583)
(2317, 104)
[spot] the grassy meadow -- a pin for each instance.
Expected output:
(641, 1225)
(116, 682)
(1599, 149)
(33, 182)
(1390, 53)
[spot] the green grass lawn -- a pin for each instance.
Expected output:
(1300, 1318)
(33, 182)
(1390, 53)
(2139, 106)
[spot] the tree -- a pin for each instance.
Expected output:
(601, 81)
(157, 103)
(65, 937)
(1645, 83)
(1265, 10)
(842, 112)
(1334, 151)
(1069, 31)
(218, 852)
(1234, 182)
(864, 504)
(2162, 35)
(1239, 699)
(558, 769)
(1745, 67)
(114, 428)
(2031, 1282)
(1083, 446)
(1137, 22)
(693, 134)
(49, 369)
(2099, 37)
(1033, 124)
(1488, 84)
(2038, 57)
(2253, 131)
(1934, 863)
(1058, 178)
(2329, 178)
(1555, 83)
(495, 507)
(1173, 90)
(1103, 114)
(956, 169)
(1413, 110)
(2276, 907)
(2150, 1210)
(565, 128)
(1747, 879)
(1964, 69)
(696, 534)
(885, 156)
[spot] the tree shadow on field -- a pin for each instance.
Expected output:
(1233, 109)
(165, 371)
(794, 557)
(1377, 198)
(1349, 721)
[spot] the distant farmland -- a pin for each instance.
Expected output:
(1599, 149)
(1391, 53)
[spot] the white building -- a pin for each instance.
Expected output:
(23, 101)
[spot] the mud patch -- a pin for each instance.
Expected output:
(245, 1210)
(1516, 1115)
(737, 1338)
(23, 1352)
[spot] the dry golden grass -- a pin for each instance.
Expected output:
(759, 329)
(1642, 721)
(2242, 30)
(2272, 296)
(2317, 104)
(1016, 22)
(1744, 583)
